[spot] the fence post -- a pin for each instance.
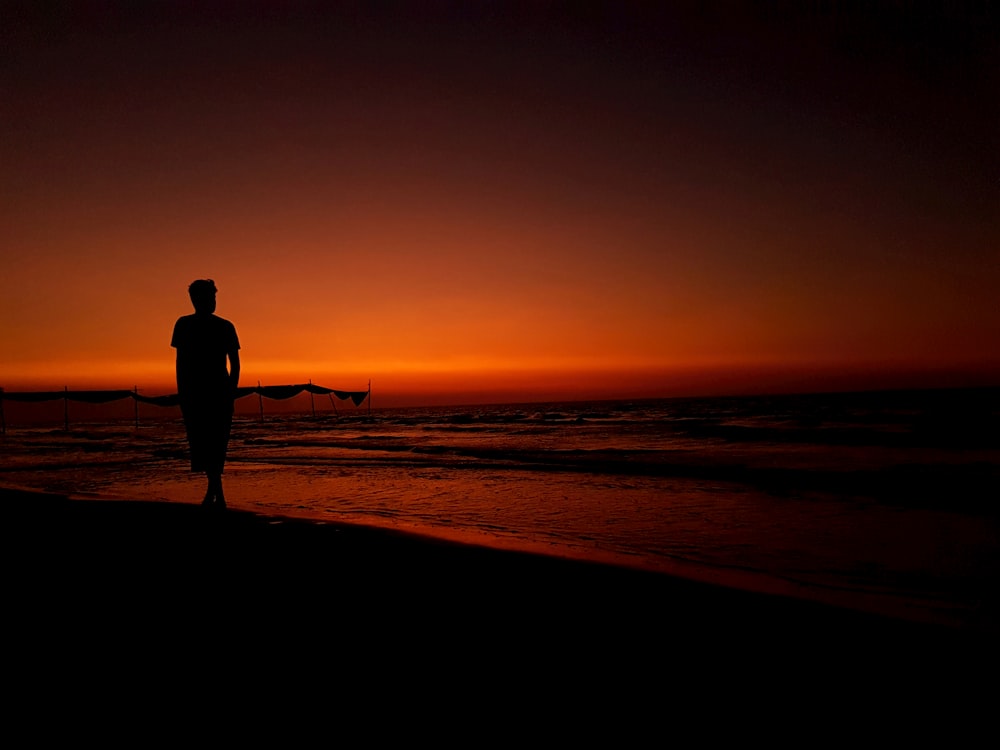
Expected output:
(3, 419)
(66, 407)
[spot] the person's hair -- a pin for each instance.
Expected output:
(202, 288)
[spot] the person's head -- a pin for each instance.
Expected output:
(202, 294)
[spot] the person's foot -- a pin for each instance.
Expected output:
(213, 495)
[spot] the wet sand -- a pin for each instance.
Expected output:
(161, 592)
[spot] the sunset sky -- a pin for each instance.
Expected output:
(504, 201)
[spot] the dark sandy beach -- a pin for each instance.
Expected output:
(159, 592)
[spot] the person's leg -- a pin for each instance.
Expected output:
(218, 443)
(214, 496)
(209, 494)
(220, 498)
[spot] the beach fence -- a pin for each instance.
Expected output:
(271, 392)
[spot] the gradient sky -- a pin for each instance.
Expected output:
(504, 201)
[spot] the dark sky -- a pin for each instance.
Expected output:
(562, 192)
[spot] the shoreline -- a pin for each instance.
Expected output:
(71, 524)
(930, 612)
(146, 589)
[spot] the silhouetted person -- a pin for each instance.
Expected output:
(205, 385)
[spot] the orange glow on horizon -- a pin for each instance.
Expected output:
(528, 215)
(427, 386)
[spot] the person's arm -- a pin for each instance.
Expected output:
(234, 369)
(175, 339)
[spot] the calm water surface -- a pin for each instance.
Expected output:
(880, 501)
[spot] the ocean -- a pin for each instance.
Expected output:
(881, 501)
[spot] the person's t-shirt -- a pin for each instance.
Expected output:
(203, 343)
